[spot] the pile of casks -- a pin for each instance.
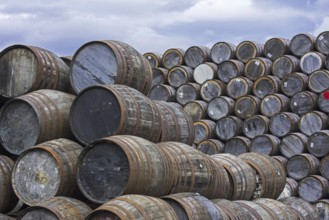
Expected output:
(105, 128)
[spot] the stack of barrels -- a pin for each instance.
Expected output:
(228, 132)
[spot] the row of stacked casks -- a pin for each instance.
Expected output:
(100, 111)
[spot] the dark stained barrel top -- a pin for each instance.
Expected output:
(196, 55)
(211, 146)
(222, 51)
(230, 69)
(302, 165)
(319, 81)
(311, 62)
(322, 42)
(294, 83)
(197, 109)
(285, 65)
(237, 145)
(154, 59)
(301, 44)
(247, 106)
(257, 67)
(276, 47)
(324, 167)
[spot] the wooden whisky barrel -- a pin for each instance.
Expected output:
(204, 130)
(204, 71)
(160, 76)
(220, 107)
(290, 189)
(280, 210)
(173, 57)
(322, 42)
(187, 93)
(276, 47)
(265, 144)
(230, 69)
(304, 209)
(163, 93)
(319, 81)
(323, 101)
(313, 188)
(237, 145)
(154, 59)
(228, 127)
(196, 55)
(179, 75)
(196, 109)
(238, 87)
(322, 206)
(302, 165)
(255, 125)
(266, 85)
(293, 83)
(324, 164)
(247, 106)
(222, 51)
(303, 102)
(247, 50)
(274, 104)
(283, 124)
(285, 65)
(211, 89)
(293, 144)
(317, 143)
(254, 210)
(110, 62)
(311, 62)
(211, 146)
(257, 67)
(301, 44)
(312, 122)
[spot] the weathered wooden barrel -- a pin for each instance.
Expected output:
(301, 44)
(228, 127)
(160, 76)
(276, 47)
(173, 57)
(222, 51)
(312, 122)
(46, 170)
(324, 164)
(285, 65)
(247, 106)
(303, 102)
(283, 124)
(176, 125)
(56, 208)
(163, 93)
(110, 62)
(102, 110)
(274, 104)
(220, 107)
(271, 175)
(8, 199)
(322, 206)
(196, 55)
(311, 62)
(266, 85)
(319, 81)
(205, 71)
(33, 118)
(317, 143)
(257, 67)
(293, 144)
(323, 101)
(123, 164)
(242, 175)
(211, 146)
(256, 211)
(230, 69)
(154, 59)
(204, 130)
(302, 165)
(196, 109)
(281, 159)
(265, 144)
(131, 207)
(247, 50)
(211, 89)
(238, 87)
(280, 210)
(25, 69)
(255, 125)
(195, 172)
(322, 42)
(313, 188)
(304, 209)
(237, 145)
(192, 206)
(187, 93)
(293, 83)
(179, 75)
(232, 209)
(290, 189)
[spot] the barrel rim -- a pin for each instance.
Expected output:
(39, 206)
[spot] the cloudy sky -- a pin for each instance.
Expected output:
(62, 26)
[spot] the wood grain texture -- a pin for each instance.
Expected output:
(154, 59)
(274, 104)
(228, 127)
(211, 89)
(159, 76)
(276, 47)
(196, 55)
(302, 165)
(266, 85)
(26, 69)
(312, 122)
(233, 209)
(304, 209)
(313, 188)
(319, 81)
(187, 93)
(163, 93)
(179, 75)
(290, 189)
(322, 206)
(247, 106)
(254, 210)
(255, 125)
(211, 146)
(311, 62)
(204, 71)
(285, 65)
(110, 62)
(324, 164)
(222, 51)
(220, 107)
(280, 210)
(257, 67)
(173, 57)
(238, 87)
(230, 69)
(247, 50)
(56, 208)
(293, 144)
(237, 145)
(304, 102)
(204, 129)
(196, 109)
(283, 124)
(317, 143)
(265, 144)
(322, 42)
(294, 83)
(301, 44)
(105, 110)
(130, 207)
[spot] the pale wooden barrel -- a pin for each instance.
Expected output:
(319, 81)
(247, 50)
(196, 55)
(220, 107)
(265, 144)
(311, 62)
(179, 75)
(302, 165)
(154, 59)
(204, 71)
(312, 122)
(301, 44)
(294, 83)
(255, 125)
(285, 65)
(283, 124)
(230, 69)
(293, 144)
(228, 127)
(173, 57)
(222, 51)
(276, 47)
(290, 189)
(266, 85)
